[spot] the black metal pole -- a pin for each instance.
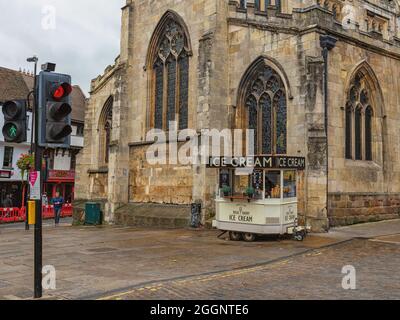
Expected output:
(38, 291)
(35, 59)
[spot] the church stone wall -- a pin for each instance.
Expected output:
(225, 41)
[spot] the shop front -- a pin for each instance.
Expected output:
(61, 181)
(257, 195)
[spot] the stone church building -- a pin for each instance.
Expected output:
(328, 70)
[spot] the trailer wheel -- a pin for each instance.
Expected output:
(249, 237)
(300, 236)
(235, 236)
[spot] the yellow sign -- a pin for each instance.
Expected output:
(31, 212)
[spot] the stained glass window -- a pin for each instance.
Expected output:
(349, 130)
(171, 78)
(183, 91)
(105, 131)
(171, 93)
(358, 133)
(159, 89)
(266, 109)
(267, 112)
(358, 120)
(281, 118)
(253, 117)
(368, 134)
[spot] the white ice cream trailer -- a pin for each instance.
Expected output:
(257, 196)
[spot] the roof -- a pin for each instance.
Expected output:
(12, 85)
(79, 102)
(17, 85)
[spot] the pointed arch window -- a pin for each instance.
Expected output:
(170, 84)
(368, 133)
(359, 120)
(105, 134)
(267, 112)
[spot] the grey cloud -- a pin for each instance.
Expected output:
(85, 41)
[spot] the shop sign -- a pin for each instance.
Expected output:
(258, 162)
(5, 174)
(242, 213)
(61, 175)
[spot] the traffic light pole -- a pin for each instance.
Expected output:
(38, 290)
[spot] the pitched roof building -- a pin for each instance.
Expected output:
(17, 85)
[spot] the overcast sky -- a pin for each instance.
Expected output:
(82, 37)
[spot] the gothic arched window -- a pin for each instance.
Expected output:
(359, 118)
(107, 142)
(105, 134)
(170, 77)
(267, 112)
(368, 133)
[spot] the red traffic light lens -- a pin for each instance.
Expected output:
(61, 91)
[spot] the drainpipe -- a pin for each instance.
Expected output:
(327, 44)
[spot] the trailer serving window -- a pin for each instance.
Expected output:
(289, 184)
(258, 184)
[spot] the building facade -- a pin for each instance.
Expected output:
(315, 79)
(60, 163)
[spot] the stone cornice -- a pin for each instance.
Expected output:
(343, 35)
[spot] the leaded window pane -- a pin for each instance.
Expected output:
(183, 91)
(159, 93)
(368, 134)
(349, 128)
(358, 134)
(281, 120)
(253, 119)
(171, 95)
(266, 109)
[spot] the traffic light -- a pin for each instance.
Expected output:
(54, 98)
(15, 122)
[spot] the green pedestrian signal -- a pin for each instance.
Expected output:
(15, 126)
(12, 131)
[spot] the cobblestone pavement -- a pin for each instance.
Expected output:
(128, 263)
(315, 275)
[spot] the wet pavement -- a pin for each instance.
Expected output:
(131, 263)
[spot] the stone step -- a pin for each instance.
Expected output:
(153, 215)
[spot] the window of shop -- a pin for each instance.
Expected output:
(69, 193)
(8, 157)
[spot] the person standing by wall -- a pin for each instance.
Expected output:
(57, 202)
(8, 203)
